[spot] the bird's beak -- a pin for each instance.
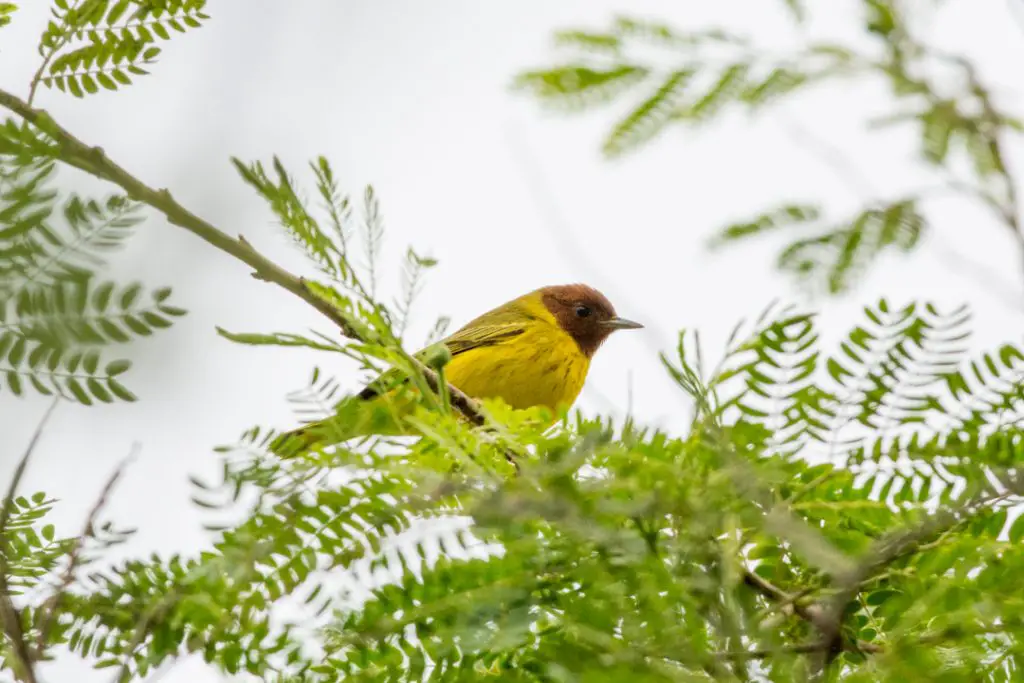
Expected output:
(621, 324)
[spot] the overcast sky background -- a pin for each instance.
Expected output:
(414, 98)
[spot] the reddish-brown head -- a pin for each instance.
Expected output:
(585, 313)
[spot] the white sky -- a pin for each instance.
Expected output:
(413, 98)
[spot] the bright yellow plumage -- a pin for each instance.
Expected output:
(540, 366)
(532, 351)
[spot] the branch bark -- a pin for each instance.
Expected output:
(826, 615)
(815, 614)
(886, 551)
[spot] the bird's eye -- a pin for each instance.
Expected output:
(582, 311)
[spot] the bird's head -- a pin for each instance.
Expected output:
(585, 313)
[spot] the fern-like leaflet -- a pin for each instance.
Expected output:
(93, 44)
(836, 257)
(55, 315)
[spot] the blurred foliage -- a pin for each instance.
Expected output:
(833, 259)
(672, 77)
(6, 10)
(840, 511)
(884, 469)
(58, 315)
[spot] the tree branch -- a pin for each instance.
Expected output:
(887, 550)
(94, 161)
(814, 614)
(826, 615)
(810, 613)
(764, 653)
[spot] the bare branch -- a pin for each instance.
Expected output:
(981, 274)
(833, 157)
(49, 609)
(19, 472)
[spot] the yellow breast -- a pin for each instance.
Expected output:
(541, 367)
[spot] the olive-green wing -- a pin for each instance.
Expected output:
(496, 327)
(473, 336)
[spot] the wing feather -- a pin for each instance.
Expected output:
(466, 339)
(498, 326)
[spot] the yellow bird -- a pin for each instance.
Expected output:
(532, 351)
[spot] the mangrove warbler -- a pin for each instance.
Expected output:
(531, 351)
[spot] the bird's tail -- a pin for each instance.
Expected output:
(295, 442)
(352, 419)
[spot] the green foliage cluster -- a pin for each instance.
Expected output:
(616, 553)
(828, 512)
(694, 77)
(58, 315)
(6, 10)
(833, 259)
(93, 44)
(712, 70)
(31, 550)
(620, 553)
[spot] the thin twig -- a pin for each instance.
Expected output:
(94, 161)
(810, 613)
(561, 232)
(37, 77)
(982, 274)
(19, 472)
(764, 653)
(9, 613)
(833, 157)
(55, 47)
(49, 609)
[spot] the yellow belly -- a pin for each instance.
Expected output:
(542, 367)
